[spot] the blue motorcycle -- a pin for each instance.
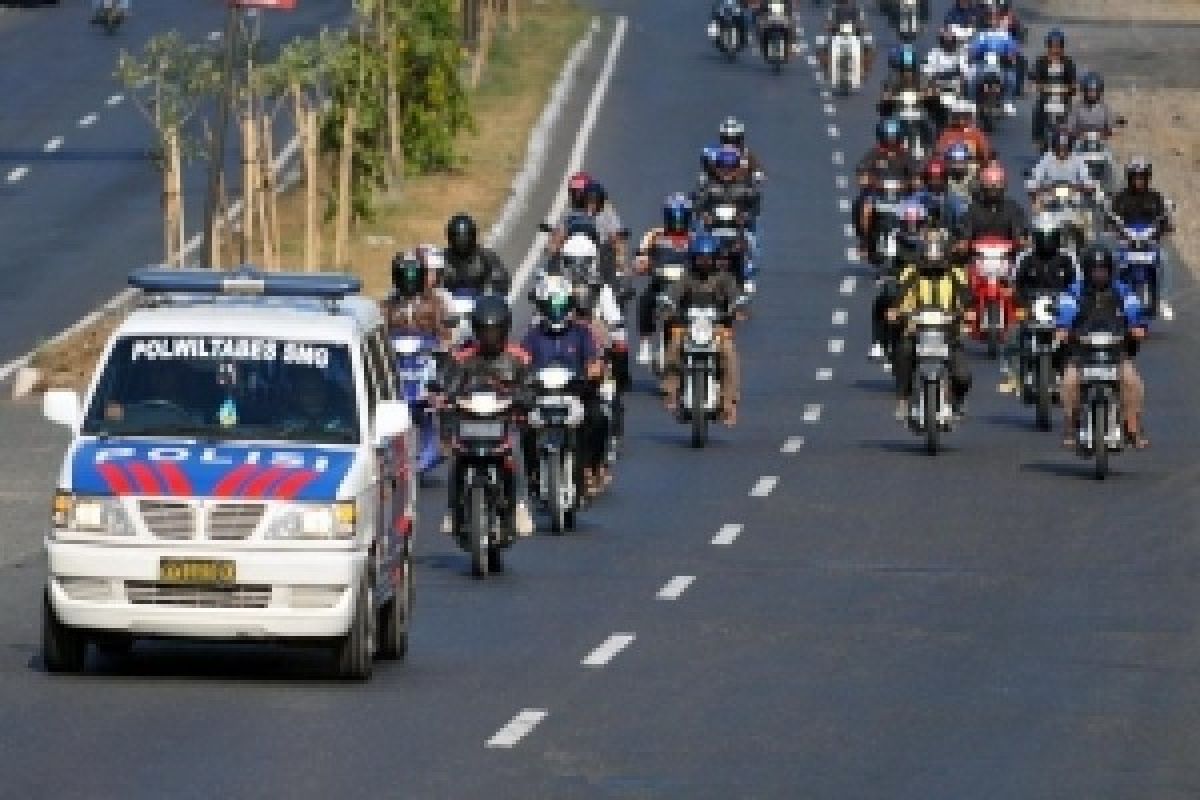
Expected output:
(416, 368)
(1141, 261)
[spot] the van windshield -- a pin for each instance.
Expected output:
(226, 388)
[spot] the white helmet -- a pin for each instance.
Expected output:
(732, 132)
(579, 253)
(433, 257)
(963, 106)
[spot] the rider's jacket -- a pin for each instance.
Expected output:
(941, 62)
(1005, 219)
(740, 193)
(1083, 306)
(990, 40)
(506, 371)
(482, 270)
(717, 288)
(1057, 71)
(573, 347)
(880, 162)
(1090, 117)
(425, 314)
(949, 290)
(1145, 206)
(1052, 169)
(1037, 273)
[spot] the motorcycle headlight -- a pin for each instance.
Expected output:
(99, 514)
(332, 521)
(702, 331)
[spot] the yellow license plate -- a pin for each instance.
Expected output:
(197, 570)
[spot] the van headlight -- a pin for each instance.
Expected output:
(81, 513)
(330, 521)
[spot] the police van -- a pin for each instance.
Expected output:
(240, 469)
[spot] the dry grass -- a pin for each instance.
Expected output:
(1164, 124)
(1142, 10)
(521, 68)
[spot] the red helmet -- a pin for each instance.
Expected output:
(993, 177)
(935, 172)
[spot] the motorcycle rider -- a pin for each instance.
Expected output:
(1044, 267)
(730, 186)
(413, 306)
(1059, 165)
(961, 128)
(1006, 18)
(887, 158)
(666, 244)
(964, 14)
(993, 213)
(910, 243)
(732, 133)
(596, 304)
(960, 182)
(847, 12)
(491, 360)
(1100, 300)
(468, 264)
(557, 338)
(933, 193)
(994, 38)
(906, 76)
(1139, 203)
(1054, 67)
(944, 62)
(1092, 113)
(933, 280)
(704, 283)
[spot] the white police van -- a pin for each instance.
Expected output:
(240, 469)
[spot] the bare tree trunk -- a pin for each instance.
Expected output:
(312, 240)
(176, 160)
(249, 183)
(395, 150)
(341, 232)
(267, 199)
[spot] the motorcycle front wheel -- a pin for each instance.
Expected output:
(933, 403)
(698, 411)
(477, 531)
(558, 508)
(1044, 376)
(1099, 424)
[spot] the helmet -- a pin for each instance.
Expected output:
(576, 185)
(958, 159)
(1096, 262)
(906, 58)
(887, 133)
(490, 322)
(579, 255)
(935, 173)
(1138, 167)
(1092, 86)
(462, 234)
(962, 113)
(703, 253)
(432, 257)
(677, 214)
(595, 195)
(554, 301)
(1047, 234)
(1061, 142)
(992, 183)
(733, 133)
(1056, 38)
(408, 274)
(933, 255)
(727, 158)
(912, 217)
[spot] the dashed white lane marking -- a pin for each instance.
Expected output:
(834, 132)
(608, 649)
(53, 144)
(812, 60)
(17, 174)
(824, 374)
(114, 100)
(812, 413)
(830, 108)
(215, 36)
(847, 286)
(792, 444)
(675, 587)
(764, 486)
(826, 94)
(839, 316)
(88, 120)
(848, 229)
(727, 534)
(841, 181)
(518, 728)
(844, 203)
(838, 157)
(836, 346)
(852, 254)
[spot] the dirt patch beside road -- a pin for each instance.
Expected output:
(1139, 10)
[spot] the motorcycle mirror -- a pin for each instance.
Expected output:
(545, 227)
(623, 233)
(1120, 122)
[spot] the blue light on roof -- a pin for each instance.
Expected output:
(244, 281)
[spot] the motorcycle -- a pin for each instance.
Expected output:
(1140, 255)
(1093, 148)
(728, 228)
(728, 28)
(885, 219)
(989, 92)
(930, 413)
(1054, 103)
(1064, 202)
(109, 15)
(556, 418)
(666, 275)
(845, 59)
(459, 306)
(416, 370)
(991, 284)
(908, 20)
(701, 372)
(948, 86)
(776, 35)
(915, 131)
(483, 467)
(1040, 380)
(1099, 428)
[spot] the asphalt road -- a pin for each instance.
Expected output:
(990, 623)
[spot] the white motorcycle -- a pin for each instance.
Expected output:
(846, 56)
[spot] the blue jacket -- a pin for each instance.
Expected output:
(992, 41)
(574, 348)
(1069, 303)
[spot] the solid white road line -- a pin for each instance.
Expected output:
(517, 728)
(825, 374)
(114, 100)
(608, 649)
(729, 531)
(675, 587)
(582, 137)
(17, 174)
(53, 144)
(812, 413)
(839, 316)
(836, 346)
(88, 120)
(792, 444)
(764, 486)
(847, 286)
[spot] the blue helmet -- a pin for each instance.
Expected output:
(727, 158)
(906, 58)
(703, 251)
(1056, 37)
(677, 213)
(1092, 85)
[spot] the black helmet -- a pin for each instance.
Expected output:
(1047, 235)
(1097, 261)
(1138, 167)
(408, 274)
(491, 320)
(462, 235)
(1092, 86)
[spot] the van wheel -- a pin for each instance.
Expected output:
(64, 649)
(394, 618)
(353, 653)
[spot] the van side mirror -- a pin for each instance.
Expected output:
(545, 227)
(62, 407)
(391, 420)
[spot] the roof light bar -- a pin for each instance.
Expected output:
(244, 281)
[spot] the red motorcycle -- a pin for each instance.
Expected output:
(990, 275)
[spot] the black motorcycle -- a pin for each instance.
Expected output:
(930, 413)
(776, 34)
(555, 419)
(727, 28)
(1100, 431)
(1040, 379)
